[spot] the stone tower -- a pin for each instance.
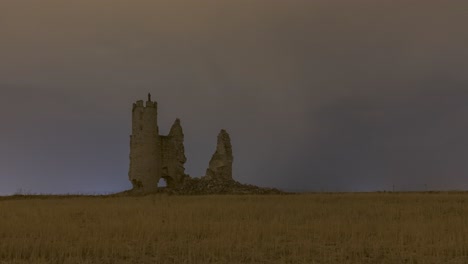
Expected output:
(145, 151)
(153, 156)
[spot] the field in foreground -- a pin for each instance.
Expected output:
(312, 228)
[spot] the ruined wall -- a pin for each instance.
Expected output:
(145, 147)
(153, 156)
(173, 155)
(220, 166)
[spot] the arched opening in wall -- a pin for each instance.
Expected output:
(162, 183)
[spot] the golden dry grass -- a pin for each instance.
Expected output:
(312, 228)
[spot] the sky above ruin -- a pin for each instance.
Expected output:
(323, 95)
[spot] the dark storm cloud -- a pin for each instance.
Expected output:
(318, 95)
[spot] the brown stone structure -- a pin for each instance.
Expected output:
(173, 156)
(220, 166)
(153, 156)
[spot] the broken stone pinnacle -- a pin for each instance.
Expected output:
(220, 166)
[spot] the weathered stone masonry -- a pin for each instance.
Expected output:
(220, 166)
(154, 156)
(173, 156)
(145, 147)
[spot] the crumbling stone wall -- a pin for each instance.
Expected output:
(173, 156)
(154, 156)
(220, 166)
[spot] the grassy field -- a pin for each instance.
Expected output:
(307, 228)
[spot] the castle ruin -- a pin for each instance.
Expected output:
(154, 156)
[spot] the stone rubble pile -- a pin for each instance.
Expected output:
(201, 186)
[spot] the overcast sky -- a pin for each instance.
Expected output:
(319, 95)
